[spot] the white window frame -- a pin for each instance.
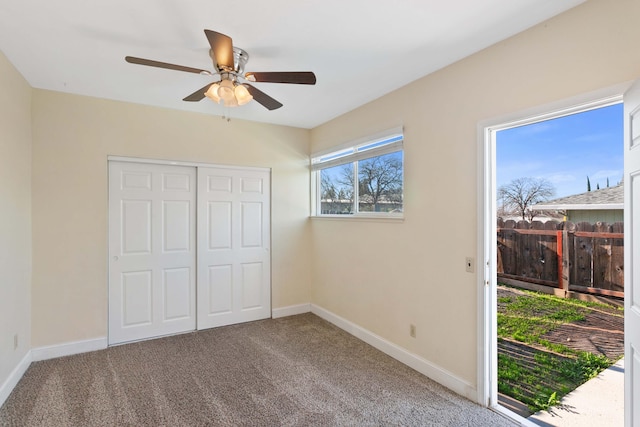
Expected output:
(350, 153)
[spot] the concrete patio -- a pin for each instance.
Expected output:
(598, 403)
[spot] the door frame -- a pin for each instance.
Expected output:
(487, 388)
(182, 163)
(126, 159)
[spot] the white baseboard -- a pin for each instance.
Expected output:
(44, 353)
(291, 310)
(67, 349)
(15, 376)
(414, 361)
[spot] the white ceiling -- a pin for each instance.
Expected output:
(358, 49)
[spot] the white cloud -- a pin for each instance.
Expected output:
(604, 138)
(614, 175)
(537, 128)
(558, 178)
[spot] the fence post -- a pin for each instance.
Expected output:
(565, 260)
(560, 252)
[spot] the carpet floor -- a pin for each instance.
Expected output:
(292, 371)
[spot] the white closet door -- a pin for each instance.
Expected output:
(234, 273)
(152, 250)
(631, 256)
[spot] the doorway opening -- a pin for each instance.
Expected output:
(532, 159)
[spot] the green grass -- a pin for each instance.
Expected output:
(555, 368)
(542, 384)
(526, 318)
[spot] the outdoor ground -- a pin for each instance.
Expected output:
(548, 346)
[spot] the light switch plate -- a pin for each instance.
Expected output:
(468, 264)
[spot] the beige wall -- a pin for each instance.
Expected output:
(385, 275)
(72, 137)
(15, 217)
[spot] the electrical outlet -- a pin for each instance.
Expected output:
(468, 264)
(15, 341)
(412, 331)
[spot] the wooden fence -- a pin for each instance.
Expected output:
(580, 257)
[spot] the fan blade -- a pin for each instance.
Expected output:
(222, 48)
(197, 95)
(262, 98)
(295, 77)
(150, 63)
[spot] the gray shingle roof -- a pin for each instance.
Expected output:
(605, 198)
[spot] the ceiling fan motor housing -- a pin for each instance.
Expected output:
(240, 58)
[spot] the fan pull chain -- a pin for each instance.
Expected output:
(226, 116)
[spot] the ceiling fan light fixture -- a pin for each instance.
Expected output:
(226, 91)
(242, 95)
(212, 93)
(233, 102)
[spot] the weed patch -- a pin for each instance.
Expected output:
(538, 372)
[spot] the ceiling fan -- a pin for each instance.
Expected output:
(232, 88)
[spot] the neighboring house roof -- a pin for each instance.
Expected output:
(603, 199)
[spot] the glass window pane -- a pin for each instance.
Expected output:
(336, 190)
(380, 182)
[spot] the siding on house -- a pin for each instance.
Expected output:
(605, 204)
(610, 216)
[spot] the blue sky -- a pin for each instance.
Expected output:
(565, 151)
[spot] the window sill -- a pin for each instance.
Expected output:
(372, 218)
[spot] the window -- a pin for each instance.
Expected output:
(364, 178)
